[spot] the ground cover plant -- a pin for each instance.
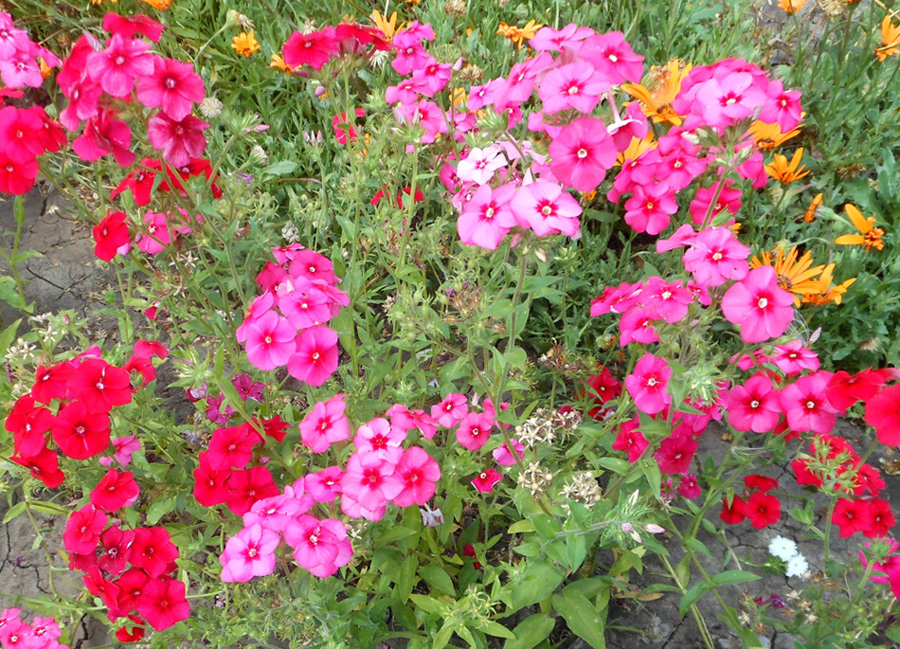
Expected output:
(423, 314)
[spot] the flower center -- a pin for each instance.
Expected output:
(582, 153)
(762, 303)
(754, 404)
(315, 356)
(651, 382)
(573, 90)
(546, 210)
(811, 404)
(120, 60)
(170, 83)
(717, 256)
(489, 213)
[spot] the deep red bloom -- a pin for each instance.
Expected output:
(83, 530)
(312, 49)
(245, 487)
(844, 390)
(136, 634)
(883, 414)
(882, 519)
(232, 447)
(100, 385)
(131, 587)
(486, 480)
(51, 382)
(128, 26)
(116, 549)
(28, 423)
(110, 235)
(675, 453)
(852, 516)
(44, 467)
(153, 550)
(16, 177)
(274, 427)
(760, 482)
(631, 439)
(102, 588)
(79, 433)
(762, 509)
(209, 484)
(114, 491)
(605, 386)
(735, 513)
(163, 603)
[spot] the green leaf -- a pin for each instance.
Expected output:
(394, 534)
(583, 619)
(536, 584)
(8, 336)
(438, 579)
(14, 512)
(734, 577)
(407, 578)
(519, 527)
(696, 546)
(531, 632)
(159, 509)
(691, 597)
(497, 630)
(9, 293)
(282, 168)
(51, 509)
(443, 636)
(425, 603)
(546, 526)
(576, 551)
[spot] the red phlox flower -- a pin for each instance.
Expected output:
(760, 482)
(116, 549)
(153, 551)
(20, 134)
(486, 480)
(733, 514)
(882, 519)
(604, 386)
(419, 473)
(232, 447)
(44, 466)
(131, 587)
(100, 587)
(676, 453)
(100, 385)
(16, 178)
(28, 423)
(80, 433)
(210, 486)
(630, 439)
(852, 516)
(247, 486)
(179, 140)
(883, 414)
(343, 128)
(845, 390)
(83, 530)
(762, 509)
(313, 49)
(163, 603)
(134, 634)
(111, 236)
(128, 26)
(114, 491)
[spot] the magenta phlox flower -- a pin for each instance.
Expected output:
(325, 485)
(250, 553)
(129, 26)
(753, 406)
(316, 358)
(474, 430)
(303, 303)
(481, 96)
(759, 305)
(545, 208)
(636, 325)
(179, 140)
(319, 546)
(124, 447)
(805, 405)
(431, 78)
(647, 384)
(666, 300)
(613, 58)
(380, 438)
(104, 134)
(715, 256)
(312, 49)
(480, 164)
(782, 108)
(729, 200)
(449, 411)
(370, 481)
(504, 457)
(174, 87)
(548, 39)
(247, 388)
(487, 218)
(721, 94)
(419, 473)
(631, 439)
(650, 207)
(617, 299)
(157, 235)
(572, 86)
(313, 266)
(411, 37)
(582, 153)
(270, 341)
(116, 67)
(675, 453)
(274, 513)
(84, 103)
(325, 424)
(624, 130)
(232, 447)
(679, 163)
(258, 307)
(793, 358)
(518, 86)
(404, 419)
(426, 114)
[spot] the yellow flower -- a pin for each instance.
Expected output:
(791, 6)
(769, 136)
(519, 35)
(387, 26)
(100, 2)
(797, 276)
(829, 293)
(458, 96)
(46, 70)
(636, 148)
(162, 5)
(869, 235)
(810, 215)
(278, 62)
(245, 44)
(890, 39)
(786, 172)
(663, 85)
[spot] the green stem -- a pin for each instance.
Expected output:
(701, 623)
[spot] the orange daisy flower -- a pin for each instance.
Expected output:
(791, 6)
(638, 147)
(829, 293)
(810, 215)
(787, 172)
(245, 44)
(663, 85)
(869, 236)
(890, 39)
(519, 35)
(769, 136)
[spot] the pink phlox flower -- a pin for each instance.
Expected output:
(755, 405)
(426, 114)
(648, 384)
(636, 325)
(124, 447)
(104, 134)
(480, 164)
(325, 485)
(759, 305)
(729, 200)
(431, 78)
(408, 45)
(319, 546)
(232, 447)
(548, 39)
(129, 26)
(486, 480)
(679, 161)
(617, 299)
(404, 419)
(518, 86)
(645, 165)
(631, 439)
(624, 130)
(682, 237)
(805, 405)
(572, 86)
(270, 341)
(316, 358)
(313, 49)
(247, 388)
(116, 67)
(313, 266)
(380, 438)
(650, 207)
(173, 86)
(11, 37)
(325, 424)
(782, 108)
(731, 94)
(582, 153)
(449, 411)
(754, 170)
(715, 256)
(481, 96)
(748, 362)
(406, 92)
(504, 457)
(675, 453)
(179, 140)
(793, 358)
(487, 218)
(20, 132)
(258, 307)
(474, 430)
(545, 208)
(303, 303)
(689, 487)
(419, 473)
(274, 513)
(21, 69)
(370, 481)
(882, 571)
(666, 300)
(613, 58)
(250, 553)
(157, 235)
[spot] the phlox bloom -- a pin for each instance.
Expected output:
(179, 140)
(480, 164)
(883, 414)
(319, 546)
(370, 481)
(173, 86)
(316, 357)
(116, 67)
(582, 153)
(486, 218)
(574, 85)
(631, 439)
(613, 57)
(753, 406)
(486, 480)
(805, 405)
(114, 491)
(83, 530)
(544, 207)
(793, 358)
(647, 384)
(759, 305)
(449, 411)
(474, 430)
(419, 473)
(163, 603)
(270, 341)
(379, 437)
(325, 424)
(649, 208)
(251, 553)
(714, 256)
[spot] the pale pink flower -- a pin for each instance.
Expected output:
(486, 219)
(319, 546)
(116, 67)
(325, 424)
(251, 553)
(647, 384)
(316, 357)
(544, 207)
(572, 86)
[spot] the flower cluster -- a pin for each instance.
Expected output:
(72, 401)
(314, 49)
(762, 508)
(134, 568)
(284, 325)
(103, 79)
(42, 633)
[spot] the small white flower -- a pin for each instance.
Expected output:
(797, 566)
(784, 549)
